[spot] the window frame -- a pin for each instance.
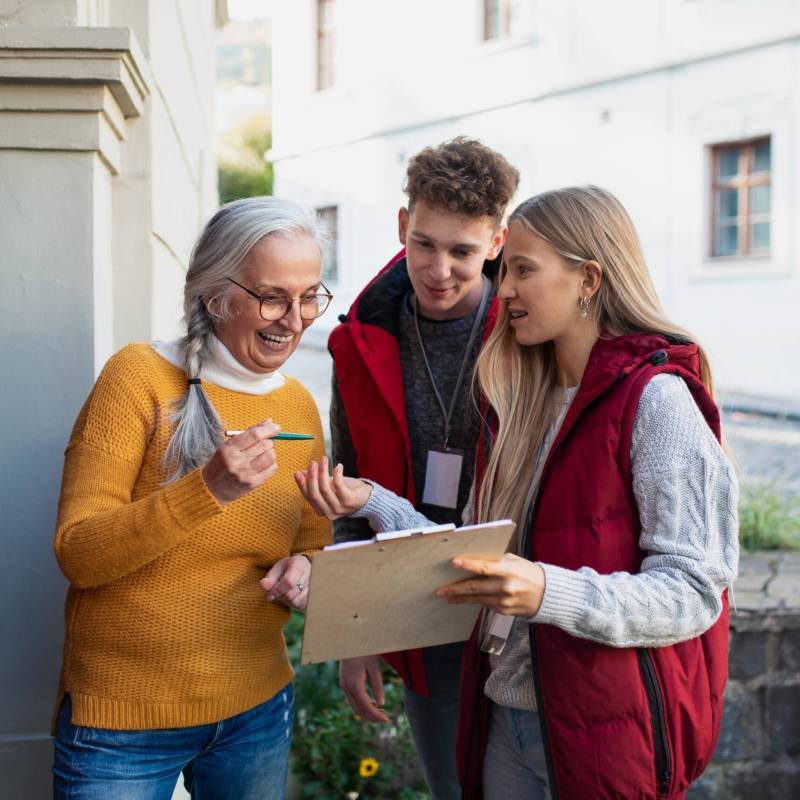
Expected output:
(504, 14)
(742, 182)
(325, 45)
(332, 248)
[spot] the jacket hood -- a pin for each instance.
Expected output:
(379, 301)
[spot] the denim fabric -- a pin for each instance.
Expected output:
(241, 758)
(434, 719)
(514, 765)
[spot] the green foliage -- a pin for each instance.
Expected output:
(244, 171)
(236, 182)
(330, 745)
(769, 519)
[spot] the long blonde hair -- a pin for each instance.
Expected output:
(520, 383)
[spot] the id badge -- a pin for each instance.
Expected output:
(442, 477)
(496, 633)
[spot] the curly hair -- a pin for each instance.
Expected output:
(463, 176)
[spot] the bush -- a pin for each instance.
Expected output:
(235, 182)
(769, 519)
(335, 755)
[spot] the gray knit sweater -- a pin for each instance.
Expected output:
(687, 494)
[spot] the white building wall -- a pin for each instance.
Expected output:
(628, 94)
(107, 173)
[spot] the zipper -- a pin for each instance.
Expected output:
(656, 701)
(548, 758)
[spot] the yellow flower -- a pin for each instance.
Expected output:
(368, 767)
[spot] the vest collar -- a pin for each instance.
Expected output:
(613, 358)
(380, 301)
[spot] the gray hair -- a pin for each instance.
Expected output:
(221, 251)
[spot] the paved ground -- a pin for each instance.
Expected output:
(768, 581)
(765, 447)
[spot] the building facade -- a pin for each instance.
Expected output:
(688, 110)
(107, 172)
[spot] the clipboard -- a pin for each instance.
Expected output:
(379, 597)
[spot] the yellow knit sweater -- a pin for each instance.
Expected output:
(166, 625)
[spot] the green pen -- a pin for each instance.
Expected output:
(284, 436)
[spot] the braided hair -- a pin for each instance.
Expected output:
(220, 252)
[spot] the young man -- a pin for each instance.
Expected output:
(402, 408)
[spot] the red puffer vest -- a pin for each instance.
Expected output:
(616, 723)
(367, 357)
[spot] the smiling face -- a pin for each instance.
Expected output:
(445, 254)
(286, 265)
(540, 287)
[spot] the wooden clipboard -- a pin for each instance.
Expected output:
(379, 597)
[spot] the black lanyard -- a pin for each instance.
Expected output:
(448, 413)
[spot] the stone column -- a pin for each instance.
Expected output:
(67, 98)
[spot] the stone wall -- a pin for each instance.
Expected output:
(758, 754)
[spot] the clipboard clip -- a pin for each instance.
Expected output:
(409, 532)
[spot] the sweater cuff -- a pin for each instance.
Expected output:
(565, 598)
(190, 501)
(380, 510)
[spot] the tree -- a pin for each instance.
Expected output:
(243, 169)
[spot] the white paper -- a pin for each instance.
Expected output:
(345, 545)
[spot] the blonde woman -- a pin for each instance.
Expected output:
(603, 674)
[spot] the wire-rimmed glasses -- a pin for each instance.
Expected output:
(275, 306)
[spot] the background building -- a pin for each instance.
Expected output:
(107, 172)
(686, 109)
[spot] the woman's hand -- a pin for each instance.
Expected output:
(332, 496)
(287, 581)
(242, 463)
(513, 586)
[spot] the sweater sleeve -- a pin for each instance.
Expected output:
(687, 495)
(101, 533)
(386, 511)
(343, 451)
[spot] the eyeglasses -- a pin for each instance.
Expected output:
(273, 307)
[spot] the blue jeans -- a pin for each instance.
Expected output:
(434, 720)
(514, 764)
(241, 758)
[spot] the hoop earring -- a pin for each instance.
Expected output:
(584, 306)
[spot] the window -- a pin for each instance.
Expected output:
(741, 195)
(325, 44)
(329, 222)
(496, 19)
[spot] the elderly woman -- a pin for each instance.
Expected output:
(185, 547)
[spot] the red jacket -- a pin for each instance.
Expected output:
(616, 723)
(366, 353)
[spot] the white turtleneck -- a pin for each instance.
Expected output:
(221, 368)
